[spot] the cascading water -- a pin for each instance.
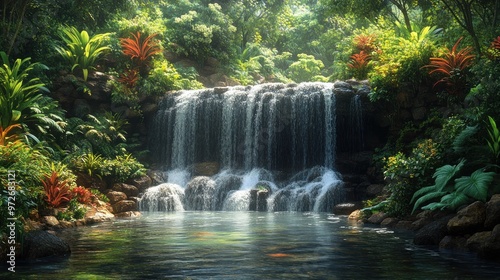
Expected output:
(255, 134)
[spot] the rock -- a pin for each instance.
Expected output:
(433, 233)
(389, 222)
(490, 248)
(98, 215)
(115, 196)
(141, 183)
(39, 244)
(124, 206)
(456, 243)
(258, 200)
(492, 212)
(157, 177)
(374, 190)
(477, 239)
(129, 214)
(198, 193)
(206, 168)
(469, 219)
(403, 225)
(346, 208)
(377, 218)
(127, 189)
(50, 220)
(356, 215)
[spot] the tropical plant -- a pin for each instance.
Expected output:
(57, 192)
(494, 138)
(138, 49)
(359, 63)
(365, 42)
(306, 69)
(452, 67)
(18, 94)
(4, 134)
(82, 195)
(81, 50)
(493, 51)
(129, 78)
(89, 163)
(451, 196)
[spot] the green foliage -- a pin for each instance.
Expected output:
(20, 98)
(118, 169)
(406, 174)
(307, 68)
(494, 139)
(74, 211)
(89, 163)
(452, 196)
(398, 59)
(80, 49)
(164, 77)
(202, 32)
(102, 134)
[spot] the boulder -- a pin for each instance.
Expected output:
(206, 168)
(141, 183)
(477, 240)
(468, 220)
(115, 196)
(127, 189)
(389, 222)
(128, 214)
(492, 212)
(377, 218)
(432, 233)
(50, 221)
(490, 248)
(455, 243)
(38, 244)
(124, 206)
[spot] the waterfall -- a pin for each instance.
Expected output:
(254, 134)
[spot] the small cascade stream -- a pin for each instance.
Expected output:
(274, 146)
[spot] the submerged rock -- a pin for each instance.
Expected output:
(38, 244)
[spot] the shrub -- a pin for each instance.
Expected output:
(82, 195)
(80, 49)
(359, 64)
(139, 50)
(305, 69)
(451, 196)
(57, 192)
(453, 68)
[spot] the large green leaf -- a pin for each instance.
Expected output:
(428, 197)
(444, 174)
(476, 185)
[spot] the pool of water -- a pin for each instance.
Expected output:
(248, 245)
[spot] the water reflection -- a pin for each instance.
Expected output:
(248, 245)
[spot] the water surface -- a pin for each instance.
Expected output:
(248, 245)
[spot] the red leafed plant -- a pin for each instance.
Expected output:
(496, 43)
(359, 63)
(364, 42)
(493, 51)
(57, 192)
(138, 48)
(83, 195)
(452, 67)
(129, 78)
